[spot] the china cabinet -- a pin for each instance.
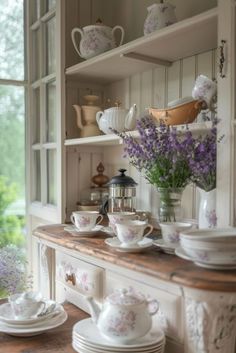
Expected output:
(147, 71)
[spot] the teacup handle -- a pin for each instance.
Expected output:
(153, 306)
(122, 33)
(72, 218)
(42, 307)
(74, 30)
(150, 231)
(100, 220)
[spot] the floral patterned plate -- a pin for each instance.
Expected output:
(87, 333)
(181, 253)
(141, 245)
(85, 233)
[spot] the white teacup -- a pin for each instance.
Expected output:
(204, 89)
(131, 232)
(115, 217)
(86, 220)
(171, 230)
(26, 305)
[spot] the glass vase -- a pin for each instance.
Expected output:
(170, 204)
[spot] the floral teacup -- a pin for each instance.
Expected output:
(131, 232)
(26, 305)
(85, 220)
(204, 89)
(115, 217)
(171, 230)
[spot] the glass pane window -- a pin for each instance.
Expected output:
(51, 112)
(12, 165)
(37, 176)
(12, 39)
(51, 177)
(50, 46)
(51, 4)
(36, 115)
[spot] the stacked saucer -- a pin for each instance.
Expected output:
(86, 338)
(52, 316)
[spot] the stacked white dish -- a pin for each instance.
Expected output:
(209, 248)
(86, 338)
(52, 316)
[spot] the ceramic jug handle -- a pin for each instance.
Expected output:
(153, 306)
(150, 230)
(100, 220)
(122, 33)
(98, 116)
(74, 30)
(72, 219)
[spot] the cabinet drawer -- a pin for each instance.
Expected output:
(169, 316)
(81, 276)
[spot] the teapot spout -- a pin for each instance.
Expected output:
(94, 309)
(130, 121)
(78, 115)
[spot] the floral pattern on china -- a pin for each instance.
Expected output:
(95, 39)
(83, 278)
(125, 315)
(84, 221)
(159, 16)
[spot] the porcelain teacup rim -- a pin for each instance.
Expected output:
(121, 213)
(85, 212)
(176, 224)
(134, 222)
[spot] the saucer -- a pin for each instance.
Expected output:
(33, 331)
(83, 233)
(167, 248)
(140, 246)
(181, 253)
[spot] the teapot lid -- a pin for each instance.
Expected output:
(122, 179)
(125, 297)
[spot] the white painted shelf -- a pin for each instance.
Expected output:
(191, 36)
(112, 140)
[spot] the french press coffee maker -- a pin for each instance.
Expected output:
(122, 193)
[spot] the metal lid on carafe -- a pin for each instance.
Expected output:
(122, 180)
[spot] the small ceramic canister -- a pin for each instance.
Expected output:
(115, 217)
(131, 232)
(171, 230)
(85, 220)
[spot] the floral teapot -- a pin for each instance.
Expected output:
(125, 315)
(96, 39)
(117, 118)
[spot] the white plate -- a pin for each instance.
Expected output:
(7, 316)
(86, 331)
(181, 253)
(27, 332)
(83, 349)
(140, 246)
(83, 233)
(91, 348)
(168, 249)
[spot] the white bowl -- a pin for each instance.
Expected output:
(210, 235)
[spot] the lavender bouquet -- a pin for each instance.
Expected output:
(13, 274)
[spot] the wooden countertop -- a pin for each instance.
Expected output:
(57, 340)
(151, 262)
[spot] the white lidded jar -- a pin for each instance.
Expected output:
(159, 16)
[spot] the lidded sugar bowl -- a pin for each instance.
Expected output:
(122, 193)
(125, 315)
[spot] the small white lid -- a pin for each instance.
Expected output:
(125, 297)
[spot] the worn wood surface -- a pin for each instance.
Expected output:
(151, 262)
(57, 340)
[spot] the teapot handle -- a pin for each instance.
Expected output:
(153, 306)
(74, 30)
(98, 116)
(122, 33)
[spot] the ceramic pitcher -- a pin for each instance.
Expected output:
(159, 16)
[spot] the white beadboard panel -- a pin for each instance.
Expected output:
(188, 75)
(205, 64)
(135, 91)
(173, 83)
(146, 90)
(118, 91)
(159, 87)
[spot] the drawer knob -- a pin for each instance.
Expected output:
(71, 278)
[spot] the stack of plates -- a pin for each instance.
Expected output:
(87, 339)
(53, 316)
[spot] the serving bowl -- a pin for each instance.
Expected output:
(210, 246)
(176, 115)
